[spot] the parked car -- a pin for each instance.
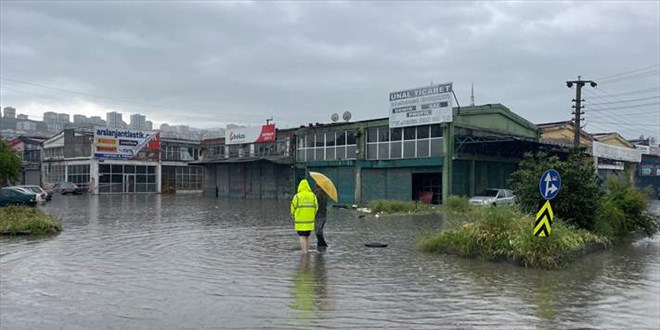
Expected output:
(42, 195)
(494, 196)
(67, 188)
(13, 196)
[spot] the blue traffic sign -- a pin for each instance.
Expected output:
(550, 184)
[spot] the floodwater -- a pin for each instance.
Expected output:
(191, 262)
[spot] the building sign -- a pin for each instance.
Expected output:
(421, 106)
(117, 143)
(602, 150)
(644, 149)
(265, 133)
(649, 170)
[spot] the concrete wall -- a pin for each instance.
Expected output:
(77, 146)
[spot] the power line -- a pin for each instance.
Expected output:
(629, 100)
(636, 76)
(620, 123)
(624, 107)
(613, 116)
(602, 98)
(639, 91)
(626, 72)
(628, 114)
(623, 118)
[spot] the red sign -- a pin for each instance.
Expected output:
(267, 133)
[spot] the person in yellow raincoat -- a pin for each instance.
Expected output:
(303, 210)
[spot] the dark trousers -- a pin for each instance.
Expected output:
(318, 228)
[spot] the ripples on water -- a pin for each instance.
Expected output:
(189, 262)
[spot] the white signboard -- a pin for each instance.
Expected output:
(607, 151)
(421, 106)
(265, 133)
(117, 143)
(646, 150)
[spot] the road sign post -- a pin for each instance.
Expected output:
(549, 187)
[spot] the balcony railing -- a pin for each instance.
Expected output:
(257, 150)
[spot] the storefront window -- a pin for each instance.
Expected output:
(127, 179)
(326, 146)
(78, 174)
(418, 142)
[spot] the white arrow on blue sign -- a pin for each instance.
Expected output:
(550, 184)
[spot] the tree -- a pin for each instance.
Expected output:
(10, 164)
(578, 200)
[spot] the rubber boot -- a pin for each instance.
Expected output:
(321, 241)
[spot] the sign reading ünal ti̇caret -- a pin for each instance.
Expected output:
(421, 106)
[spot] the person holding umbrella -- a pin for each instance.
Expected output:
(303, 210)
(324, 188)
(321, 216)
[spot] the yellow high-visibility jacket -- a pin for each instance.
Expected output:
(303, 207)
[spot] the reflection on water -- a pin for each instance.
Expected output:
(309, 291)
(174, 262)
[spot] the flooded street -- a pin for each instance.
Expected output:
(191, 262)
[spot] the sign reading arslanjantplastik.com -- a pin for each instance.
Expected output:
(117, 143)
(421, 106)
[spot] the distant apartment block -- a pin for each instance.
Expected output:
(9, 112)
(114, 120)
(138, 122)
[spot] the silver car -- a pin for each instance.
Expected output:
(494, 196)
(42, 195)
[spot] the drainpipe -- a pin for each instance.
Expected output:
(448, 160)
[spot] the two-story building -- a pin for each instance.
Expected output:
(367, 160)
(67, 156)
(29, 149)
(178, 176)
(104, 160)
(250, 163)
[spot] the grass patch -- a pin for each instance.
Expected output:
(21, 220)
(505, 234)
(457, 204)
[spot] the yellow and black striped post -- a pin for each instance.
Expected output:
(543, 224)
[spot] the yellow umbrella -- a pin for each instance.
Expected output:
(325, 183)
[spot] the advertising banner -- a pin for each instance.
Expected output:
(421, 106)
(117, 143)
(265, 133)
(602, 150)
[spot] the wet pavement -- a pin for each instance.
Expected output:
(191, 262)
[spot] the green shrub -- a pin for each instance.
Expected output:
(21, 220)
(623, 211)
(505, 233)
(394, 206)
(457, 204)
(576, 203)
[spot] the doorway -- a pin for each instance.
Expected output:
(427, 187)
(129, 183)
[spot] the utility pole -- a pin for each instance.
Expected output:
(579, 83)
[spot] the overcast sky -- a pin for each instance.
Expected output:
(206, 64)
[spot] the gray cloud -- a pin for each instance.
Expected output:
(209, 63)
